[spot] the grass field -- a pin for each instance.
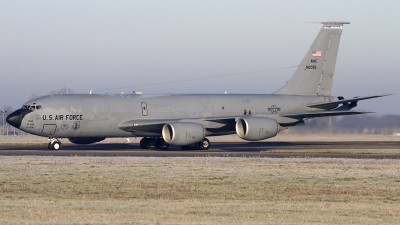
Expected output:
(203, 190)
(392, 152)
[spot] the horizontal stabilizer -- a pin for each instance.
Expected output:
(334, 104)
(304, 115)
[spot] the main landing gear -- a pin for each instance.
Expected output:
(153, 143)
(54, 144)
(202, 145)
(159, 143)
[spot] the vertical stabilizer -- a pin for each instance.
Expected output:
(314, 76)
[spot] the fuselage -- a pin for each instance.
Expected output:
(93, 115)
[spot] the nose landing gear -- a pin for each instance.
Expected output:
(54, 144)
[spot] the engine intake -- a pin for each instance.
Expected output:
(182, 133)
(256, 128)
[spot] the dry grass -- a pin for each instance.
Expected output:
(204, 190)
(391, 152)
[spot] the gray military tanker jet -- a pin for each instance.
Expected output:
(187, 119)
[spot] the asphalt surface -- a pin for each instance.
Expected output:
(251, 149)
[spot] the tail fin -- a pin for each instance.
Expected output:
(314, 75)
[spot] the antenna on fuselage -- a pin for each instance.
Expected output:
(90, 92)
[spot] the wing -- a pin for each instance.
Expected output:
(153, 127)
(304, 115)
(224, 125)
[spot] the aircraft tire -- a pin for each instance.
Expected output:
(193, 146)
(204, 144)
(161, 144)
(151, 143)
(143, 143)
(56, 145)
(49, 146)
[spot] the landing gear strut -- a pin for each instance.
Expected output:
(54, 144)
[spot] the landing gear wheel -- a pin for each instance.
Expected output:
(151, 143)
(161, 144)
(193, 146)
(204, 144)
(56, 145)
(143, 143)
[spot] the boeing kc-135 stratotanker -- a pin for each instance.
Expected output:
(187, 119)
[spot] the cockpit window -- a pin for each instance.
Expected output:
(31, 107)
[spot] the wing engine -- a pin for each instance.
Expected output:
(257, 128)
(182, 133)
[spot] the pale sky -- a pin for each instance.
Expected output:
(97, 45)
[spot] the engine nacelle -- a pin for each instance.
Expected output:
(182, 133)
(85, 140)
(256, 128)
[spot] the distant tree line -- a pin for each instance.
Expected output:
(357, 124)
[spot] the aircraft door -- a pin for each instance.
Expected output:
(49, 129)
(144, 109)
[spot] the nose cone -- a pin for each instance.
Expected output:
(16, 117)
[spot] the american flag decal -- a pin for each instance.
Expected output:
(316, 53)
